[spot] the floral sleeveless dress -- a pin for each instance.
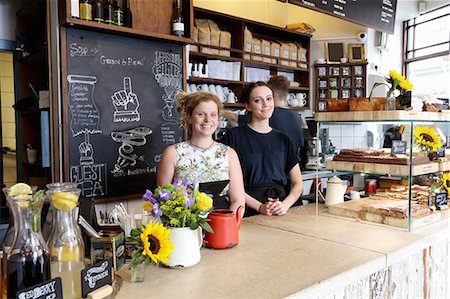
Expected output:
(210, 165)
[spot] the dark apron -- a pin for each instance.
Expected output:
(262, 193)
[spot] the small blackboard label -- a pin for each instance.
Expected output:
(51, 289)
(96, 276)
(441, 199)
(441, 152)
(445, 104)
(398, 147)
(430, 200)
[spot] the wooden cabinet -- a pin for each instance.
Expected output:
(150, 19)
(31, 77)
(241, 58)
(339, 81)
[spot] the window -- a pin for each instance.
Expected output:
(427, 52)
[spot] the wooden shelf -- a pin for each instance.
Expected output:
(383, 169)
(193, 79)
(380, 116)
(266, 65)
(94, 26)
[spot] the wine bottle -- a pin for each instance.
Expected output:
(127, 16)
(118, 13)
(177, 19)
(86, 10)
(97, 11)
(108, 12)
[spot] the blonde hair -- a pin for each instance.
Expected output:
(186, 104)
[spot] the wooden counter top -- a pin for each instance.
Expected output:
(284, 256)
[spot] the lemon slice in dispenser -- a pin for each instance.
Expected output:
(64, 201)
(20, 188)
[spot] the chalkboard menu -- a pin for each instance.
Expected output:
(120, 110)
(377, 14)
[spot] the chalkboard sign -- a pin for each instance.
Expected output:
(377, 14)
(50, 289)
(440, 200)
(398, 147)
(96, 276)
(441, 152)
(120, 110)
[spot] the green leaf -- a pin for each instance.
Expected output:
(374, 86)
(207, 227)
(135, 232)
(193, 225)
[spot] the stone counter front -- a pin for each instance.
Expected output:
(304, 255)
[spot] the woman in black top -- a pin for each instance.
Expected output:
(268, 156)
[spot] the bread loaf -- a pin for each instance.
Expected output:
(334, 105)
(363, 104)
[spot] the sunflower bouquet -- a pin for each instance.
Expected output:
(396, 82)
(179, 205)
(427, 139)
(152, 244)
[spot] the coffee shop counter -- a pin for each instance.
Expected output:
(306, 255)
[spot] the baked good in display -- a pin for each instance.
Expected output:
(334, 105)
(377, 156)
(396, 209)
(363, 104)
(397, 188)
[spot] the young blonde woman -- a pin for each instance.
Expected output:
(268, 156)
(200, 157)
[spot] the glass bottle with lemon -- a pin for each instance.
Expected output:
(65, 240)
(27, 259)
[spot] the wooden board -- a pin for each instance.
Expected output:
(383, 169)
(353, 209)
(396, 115)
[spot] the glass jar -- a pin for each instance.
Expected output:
(28, 260)
(391, 101)
(65, 240)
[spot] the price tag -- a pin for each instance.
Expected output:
(441, 152)
(398, 147)
(445, 105)
(96, 276)
(441, 200)
(51, 289)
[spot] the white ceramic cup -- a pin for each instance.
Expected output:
(294, 102)
(212, 89)
(301, 103)
(343, 59)
(300, 96)
(231, 98)
(320, 60)
(193, 88)
(204, 87)
(354, 195)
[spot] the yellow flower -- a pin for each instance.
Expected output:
(406, 85)
(395, 75)
(155, 238)
(147, 206)
(204, 202)
(446, 181)
(427, 137)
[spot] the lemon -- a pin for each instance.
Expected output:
(65, 196)
(63, 204)
(66, 253)
(20, 188)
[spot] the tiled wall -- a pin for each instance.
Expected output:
(8, 116)
(347, 136)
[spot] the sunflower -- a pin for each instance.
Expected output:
(445, 179)
(406, 85)
(427, 137)
(156, 244)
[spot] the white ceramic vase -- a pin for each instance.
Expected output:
(187, 244)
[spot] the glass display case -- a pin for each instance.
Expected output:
(396, 165)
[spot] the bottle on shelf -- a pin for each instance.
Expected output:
(86, 10)
(97, 11)
(108, 12)
(75, 8)
(177, 19)
(127, 15)
(118, 13)
(28, 260)
(65, 241)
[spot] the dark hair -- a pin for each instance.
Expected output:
(186, 104)
(247, 91)
(280, 86)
